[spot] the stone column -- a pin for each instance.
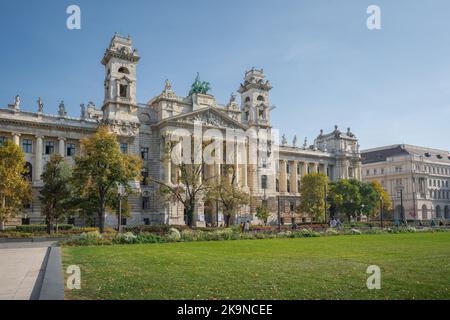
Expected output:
(304, 168)
(245, 175)
(62, 147)
(168, 171)
(16, 138)
(294, 178)
(38, 159)
(283, 185)
(315, 167)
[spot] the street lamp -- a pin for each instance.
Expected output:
(120, 191)
(381, 212)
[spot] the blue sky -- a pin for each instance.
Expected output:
(390, 86)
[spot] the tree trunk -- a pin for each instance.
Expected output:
(101, 214)
(227, 220)
(2, 225)
(190, 216)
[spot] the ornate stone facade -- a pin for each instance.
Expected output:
(143, 129)
(416, 178)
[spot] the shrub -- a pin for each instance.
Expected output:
(174, 235)
(127, 237)
(331, 232)
(31, 228)
(353, 231)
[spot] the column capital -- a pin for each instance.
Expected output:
(62, 138)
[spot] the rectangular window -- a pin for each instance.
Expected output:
(144, 153)
(288, 168)
(70, 149)
(49, 147)
(145, 203)
(27, 146)
(123, 91)
(264, 182)
(124, 148)
(2, 140)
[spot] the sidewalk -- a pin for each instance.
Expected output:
(20, 269)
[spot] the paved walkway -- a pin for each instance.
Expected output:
(20, 268)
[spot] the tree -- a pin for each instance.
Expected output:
(15, 191)
(56, 193)
(353, 197)
(227, 192)
(262, 213)
(188, 189)
(101, 168)
(386, 199)
(312, 192)
(345, 196)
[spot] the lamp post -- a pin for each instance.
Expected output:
(381, 212)
(402, 214)
(278, 215)
(121, 191)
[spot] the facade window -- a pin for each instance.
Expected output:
(70, 149)
(124, 148)
(291, 207)
(288, 187)
(288, 168)
(367, 172)
(277, 185)
(399, 194)
(144, 175)
(298, 169)
(298, 185)
(124, 221)
(123, 90)
(145, 203)
(144, 153)
(398, 182)
(27, 146)
(375, 172)
(382, 170)
(2, 140)
(263, 181)
(49, 147)
(398, 169)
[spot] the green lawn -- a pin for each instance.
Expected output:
(413, 266)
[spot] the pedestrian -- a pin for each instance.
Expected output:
(247, 226)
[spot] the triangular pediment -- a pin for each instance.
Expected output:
(208, 117)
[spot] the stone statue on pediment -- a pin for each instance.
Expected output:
(40, 105)
(17, 103)
(294, 141)
(82, 111)
(283, 140)
(62, 109)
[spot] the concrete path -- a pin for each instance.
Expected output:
(21, 266)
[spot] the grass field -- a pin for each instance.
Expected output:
(413, 266)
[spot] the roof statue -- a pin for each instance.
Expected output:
(199, 86)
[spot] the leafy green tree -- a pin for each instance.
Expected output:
(354, 198)
(386, 198)
(227, 192)
(262, 213)
(56, 193)
(345, 196)
(15, 190)
(312, 192)
(101, 168)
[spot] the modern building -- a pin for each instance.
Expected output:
(145, 129)
(417, 179)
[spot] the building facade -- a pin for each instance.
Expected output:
(416, 178)
(145, 129)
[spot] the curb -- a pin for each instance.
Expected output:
(50, 285)
(32, 239)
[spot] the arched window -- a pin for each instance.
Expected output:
(123, 70)
(424, 212)
(447, 212)
(260, 98)
(438, 212)
(247, 99)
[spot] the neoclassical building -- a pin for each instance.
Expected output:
(417, 179)
(145, 129)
